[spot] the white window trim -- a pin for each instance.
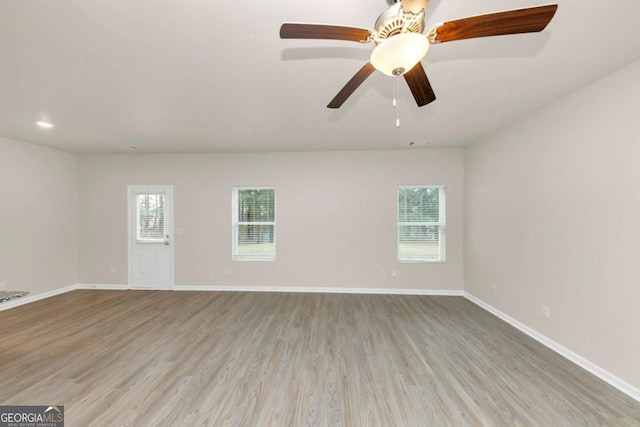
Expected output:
(442, 228)
(235, 224)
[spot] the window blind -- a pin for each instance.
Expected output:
(254, 223)
(421, 223)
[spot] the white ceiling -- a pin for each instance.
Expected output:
(211, 76)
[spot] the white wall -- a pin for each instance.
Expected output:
(552, 216)
(38, 217)
(336, 216)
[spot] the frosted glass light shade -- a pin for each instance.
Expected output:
(402, 51)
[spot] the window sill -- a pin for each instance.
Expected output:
(250, 258)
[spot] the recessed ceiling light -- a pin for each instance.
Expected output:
(46, 125)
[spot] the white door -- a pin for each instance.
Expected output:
(150, 236)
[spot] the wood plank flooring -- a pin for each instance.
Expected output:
(138, 358)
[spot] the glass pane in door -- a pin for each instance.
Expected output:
(150, 217)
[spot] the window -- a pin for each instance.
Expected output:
(421, 223)
(150, 215)
(254, 223)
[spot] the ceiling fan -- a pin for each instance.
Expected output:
(400, 44)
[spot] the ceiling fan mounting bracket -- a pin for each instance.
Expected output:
(433, 33)
(372, 37)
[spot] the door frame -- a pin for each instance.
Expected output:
(168, 189)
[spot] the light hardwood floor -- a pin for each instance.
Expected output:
(142, 358)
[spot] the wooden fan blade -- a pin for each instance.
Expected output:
(414, 6)
(351, 85)
(528, 20)
(319, 31)
(419, 84)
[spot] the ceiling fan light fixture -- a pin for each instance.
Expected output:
(399, 53)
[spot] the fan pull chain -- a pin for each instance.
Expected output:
(395, 91)
(396, 98)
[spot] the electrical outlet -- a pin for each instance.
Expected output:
(226, 272)
(113, 270)
(3, 286)
(544, 311)
(394, 273)
(494, 288)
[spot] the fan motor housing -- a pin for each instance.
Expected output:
(392, 21)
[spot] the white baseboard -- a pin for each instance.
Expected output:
(104, 287)
(322, 289)
(295, 289)
(119, 287)
(33, 298)
(596, 370)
